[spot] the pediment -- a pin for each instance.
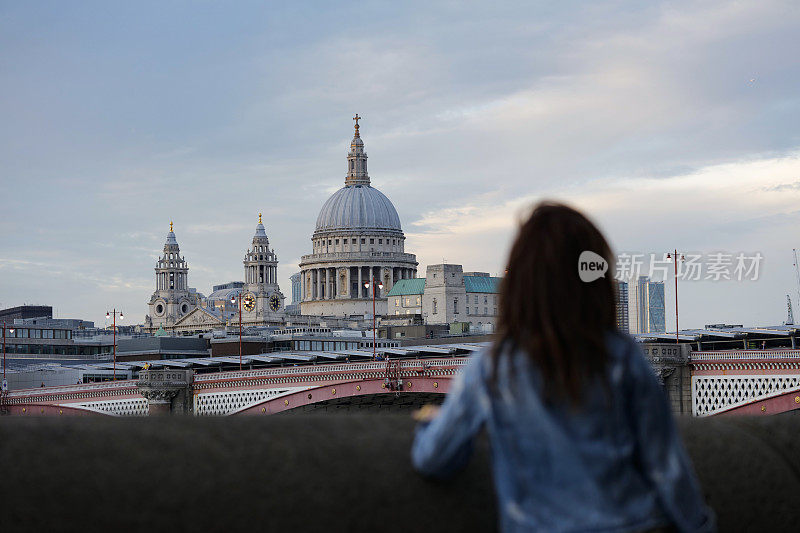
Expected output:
(199, 317)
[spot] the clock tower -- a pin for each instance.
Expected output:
(262, 299)
(172, 298)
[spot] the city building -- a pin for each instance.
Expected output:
(646, 307)
(358, 239)
(293, 309)
(26, 311)
(622, 303)
(71, 323)
(26, 340)
(446, 295)
(296, 287)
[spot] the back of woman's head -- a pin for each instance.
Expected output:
(547, 311)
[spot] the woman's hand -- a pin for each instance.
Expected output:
(427, 413)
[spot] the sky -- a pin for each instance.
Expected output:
(672, 125)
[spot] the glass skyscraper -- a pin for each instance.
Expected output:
(647, 311)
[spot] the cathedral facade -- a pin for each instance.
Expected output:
(175, 307)
(358, 246)
(358, 240)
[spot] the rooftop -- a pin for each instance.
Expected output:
(408, 286)
(485, 284)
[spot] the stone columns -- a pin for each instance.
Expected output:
(360, 282)
(167, 391)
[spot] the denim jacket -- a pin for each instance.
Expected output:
(614, 464)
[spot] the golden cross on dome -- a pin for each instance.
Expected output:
(170, 225)
(259, 218)
(356, 118)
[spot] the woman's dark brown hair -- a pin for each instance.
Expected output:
(546, 311)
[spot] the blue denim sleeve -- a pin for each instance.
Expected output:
(444, 445)
(663, 456)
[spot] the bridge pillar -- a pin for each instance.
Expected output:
(670, 362)
(167, 391)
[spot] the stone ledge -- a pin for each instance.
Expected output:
(325, 473)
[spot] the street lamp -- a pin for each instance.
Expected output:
(113, 314)
(233, 301)
(10, 330)
(379, 286)
(674, 257)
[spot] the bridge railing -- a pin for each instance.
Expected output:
(105, 385)
(408, 364)
(742, 355)
(303, 369)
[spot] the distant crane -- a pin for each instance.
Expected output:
(789, 314)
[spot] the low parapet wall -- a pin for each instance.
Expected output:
(324, 473)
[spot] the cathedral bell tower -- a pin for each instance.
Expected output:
(172, 298)
(262, 298)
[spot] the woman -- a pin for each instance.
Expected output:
(581, 432)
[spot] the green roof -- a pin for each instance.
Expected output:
(408, 286)
(485, 284)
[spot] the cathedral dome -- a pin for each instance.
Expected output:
(358, 208)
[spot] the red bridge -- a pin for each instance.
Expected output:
(722, 383)
(263, 391)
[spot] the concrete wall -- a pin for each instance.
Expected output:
(326, 473)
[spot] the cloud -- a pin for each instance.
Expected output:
(641, 114)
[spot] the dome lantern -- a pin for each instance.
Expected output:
(356, 160)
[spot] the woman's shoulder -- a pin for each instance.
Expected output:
(620, 344)
(625, 349)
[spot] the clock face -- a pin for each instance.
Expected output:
(274, 302)
(249, 302)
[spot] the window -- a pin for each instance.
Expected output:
(495, 311)
(476, 300)
(467, 309)
(485, 310)
(380, 241)
(397, 302)
(452, 274)
(397, 312)
(418, 300)
(354, 241)
(363, 241)
(455, 305)
(329, 242)
(372, 241)
(476, 311)
(336, 242)
(434, 305)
